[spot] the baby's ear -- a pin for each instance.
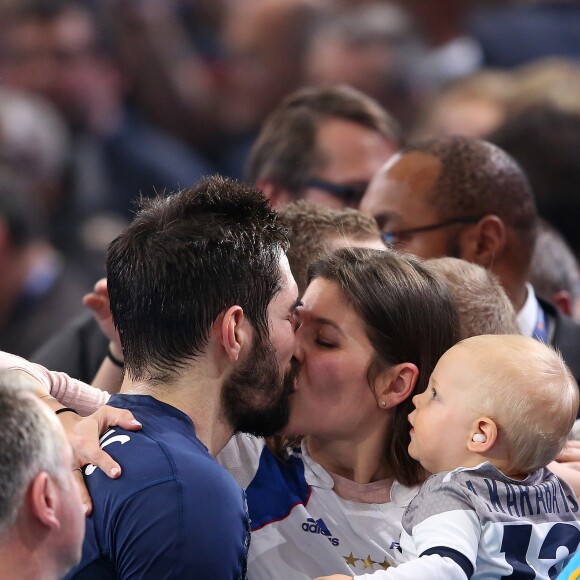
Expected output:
(483, 435)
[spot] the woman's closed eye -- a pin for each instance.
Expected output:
(324, 343)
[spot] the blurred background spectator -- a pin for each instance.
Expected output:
(514, 33)
(472, 106)
(55, 49)
(105, 100)
(375, 48)
(554, 272)
(38, 289)
(545, 141)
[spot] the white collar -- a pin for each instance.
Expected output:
(528, 316)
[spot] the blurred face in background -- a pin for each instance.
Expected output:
(57, 58)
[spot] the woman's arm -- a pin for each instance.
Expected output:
(58, 390)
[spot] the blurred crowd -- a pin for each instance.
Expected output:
(104, 101)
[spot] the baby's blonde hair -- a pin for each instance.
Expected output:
(528, 390)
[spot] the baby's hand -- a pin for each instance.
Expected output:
(98, 302)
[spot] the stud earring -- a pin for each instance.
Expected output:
(383, 403)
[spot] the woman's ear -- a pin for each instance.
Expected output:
(233, 332)
(396, 384)
(482, 436)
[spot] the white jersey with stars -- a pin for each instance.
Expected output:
(300, 527)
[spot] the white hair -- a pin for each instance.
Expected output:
(30, 442)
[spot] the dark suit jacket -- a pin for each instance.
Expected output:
(39, 317)
(566, 337)
(78, 349)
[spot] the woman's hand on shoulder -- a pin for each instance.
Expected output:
(83, 434)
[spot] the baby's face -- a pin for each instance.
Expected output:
(445, 414)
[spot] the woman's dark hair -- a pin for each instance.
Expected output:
(409, 316)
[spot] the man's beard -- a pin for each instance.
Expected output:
(255, 398)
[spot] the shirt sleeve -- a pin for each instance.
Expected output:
(241, 457)
(70, 392)
(434, 567)
(442, 521)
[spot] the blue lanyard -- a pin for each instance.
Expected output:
(541, 328)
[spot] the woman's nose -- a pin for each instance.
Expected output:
(298, 347)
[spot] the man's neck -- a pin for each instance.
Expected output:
(196, 395)
(518, 296)
(513, 278)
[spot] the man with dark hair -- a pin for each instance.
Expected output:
(465, 198)
(202, 296)
(322, 144)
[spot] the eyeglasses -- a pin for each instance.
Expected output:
(348, 193)
(391, 237)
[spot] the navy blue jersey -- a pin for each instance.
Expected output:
(173, 513)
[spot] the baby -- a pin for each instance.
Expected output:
(497, 410)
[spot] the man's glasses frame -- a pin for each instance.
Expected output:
(391, 237)
(348, 193)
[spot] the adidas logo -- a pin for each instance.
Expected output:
(313, 526)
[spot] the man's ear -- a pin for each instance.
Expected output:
(483, 241)
(42, 497)
(233, 332)
(277, 195)
(563, 301)
(396, 384)
(482, 436)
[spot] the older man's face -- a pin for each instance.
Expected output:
(397, 198)
(68, 541)
(351, 155)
